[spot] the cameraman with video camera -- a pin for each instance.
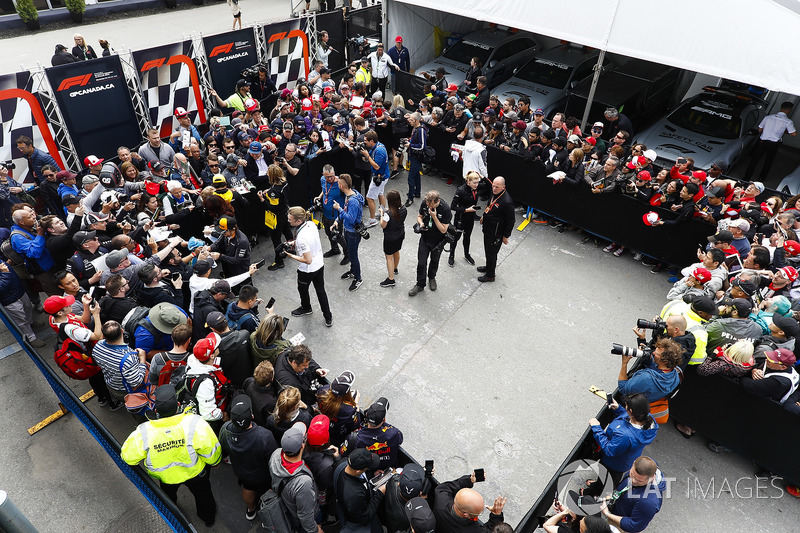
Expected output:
(432, 223)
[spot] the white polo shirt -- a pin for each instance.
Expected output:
(308, 241)
(774, 126)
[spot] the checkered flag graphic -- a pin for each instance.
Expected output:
(286, 60)
(16, 120)
(164, 89)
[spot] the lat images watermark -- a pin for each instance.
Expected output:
(742, 488)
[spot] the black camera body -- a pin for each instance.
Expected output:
(10, 165)
(361, 229)
(658, 325)
(316, 206)
(283, 249)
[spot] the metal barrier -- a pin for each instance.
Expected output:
(149, 488)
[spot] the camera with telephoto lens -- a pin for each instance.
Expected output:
(316, 206)
(658, 325)
(361, 229)
(619, 349)
(282, 249)
(8, 164)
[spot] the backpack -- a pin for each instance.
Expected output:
(72, 359)
(272, 511)
(136, 317)
(16, 261)
(236, 325)
(187, 392)
(173, 372)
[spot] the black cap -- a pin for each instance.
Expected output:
(786, 324)
(704, 304)
(363, 459)
(420, 516)
(242, 411)
(166, 400)
(721, 236)
(242, 83)
(60, 47)
(411, 481)
(376, 412)
(716, 192)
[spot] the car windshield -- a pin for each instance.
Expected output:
(464, 51)
(544, 72)
(714, 119)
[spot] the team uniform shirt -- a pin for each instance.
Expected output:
(774, 126)
(380, 65)
(307, 240)
(383, 441)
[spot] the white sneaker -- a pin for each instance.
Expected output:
(371, 222)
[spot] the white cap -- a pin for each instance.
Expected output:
(598, 125)
(650, 154)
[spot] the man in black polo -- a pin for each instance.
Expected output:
(497, 222)
(432, 223)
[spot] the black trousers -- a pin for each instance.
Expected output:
(467, 223)
(200, 487)
(327, 223)
(435, 252)
(378, 84)
(361, 177)
(766, 150)
(304, 280)
(281, 228)
(98, 384)
(491, 246)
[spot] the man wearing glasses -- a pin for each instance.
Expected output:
(212, 168)
(49, 191)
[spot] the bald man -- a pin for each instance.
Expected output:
(457, 508)
(497, 222)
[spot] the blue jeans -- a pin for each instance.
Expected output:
(414, 182)
(352, 239)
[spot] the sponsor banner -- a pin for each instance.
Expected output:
(93, 98)
(21, 115)
(287, 50)
(168, 78)
(228, 54)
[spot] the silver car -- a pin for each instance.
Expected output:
(715, 125)
(500, 52)
(546, 78)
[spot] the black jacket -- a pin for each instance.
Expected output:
(446, 521)
(52, 200)
(498, 218)
(63, 58)
(249, 451)
(152, 296)
(234, 352)
(359, 503)
(263, 398)
(204, 303)
(115, 308)
(234, 254)
(60, 246)
(287, 377)
(464, 198)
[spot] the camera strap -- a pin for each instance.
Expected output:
(494, 202)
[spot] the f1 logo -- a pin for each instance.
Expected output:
(221, 49)
(75, 81)
(153, 63)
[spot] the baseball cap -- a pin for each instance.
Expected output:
(598, 126)
(255, 148)
(88, 180)
(242, 411)
(250, 104)
(155, 165)
(319, 430)
(636, 161)
(376, 413)
(704, 304)
(398, 39)
(716, 192)
(519, 125)
(789, 272)
(644, 176)
(287, 125)
(328, 121)
(62, 175)
(69, 199)
(60, 47)
(202, 266)
(742, 224)
(292, 440)
(307, 105)
(452, 88)
(721, 236)
(650, 154)
(791, 247)
(94, 218)
(166, 316)
(219, 179)
(113, 259)
(511, 116)
(362, 459)
(242, 83)
(226, 223)
(181, 112)
(758, 185)
(411, 480)
(83, 236)
(574, 139)
(342, 383)
(220, 286)
(216, 320)
(538, 111)
(721, 165)
(561, 141)
(92, 161)
(702, 275)
(54, 304)
(700, 175)
(781, 355)
(206, 347)
(743, 307)
(166, 400)
(746, 286)
(420, 516)
(786, 324)
(590, 140)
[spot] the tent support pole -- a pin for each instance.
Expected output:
(598, 69)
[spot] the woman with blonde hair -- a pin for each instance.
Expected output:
(464, 204)
(267, 341)
(81, 50)
(732, 360)
(573, 167)
(288, 410)
(276, 201)
(400, 129)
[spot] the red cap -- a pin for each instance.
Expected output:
(452, 88)
(781, 355)
(791, 247)
(205, 347)
(54, 304)
(650, 218)
(250, 104)
(644, 176)
(637, 161)
(767, 209)
(152, 188)
(702, 275)
(398, 39)
(699, 174)
(788, 272)
(264, 127)
(180, 112)
(92, 161)
(307, 105)
(590, 140)
(319, 431)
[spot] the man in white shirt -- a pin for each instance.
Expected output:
(771, 131)
(380, 69)
(308, 252)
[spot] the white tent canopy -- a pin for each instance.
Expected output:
(752, 41)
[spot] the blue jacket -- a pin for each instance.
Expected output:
(66, 189)
(37, 160)
(330, 193)
(638, 505)
(11, 288)
(177, 144)
(419, 138)
(651, 382)
(400, 57)
(33, 248)
(351, 210)
(381, 158)
(621, 442)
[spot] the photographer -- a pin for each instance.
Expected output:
(363, 170)
(674, 327)
(262, 85)
(348, 217)
(374, 152)
(290, 162)
(660, 376)
(331, 193)
(308, 252)
(626, 436)
(432, 223)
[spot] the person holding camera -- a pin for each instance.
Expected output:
(308, 252)
(457, 507)
(374, 153)
(331, 193)
(349, 217)
(432, 222)
(623, 440)
(659, 378)
(358, 501)
(497, 221)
